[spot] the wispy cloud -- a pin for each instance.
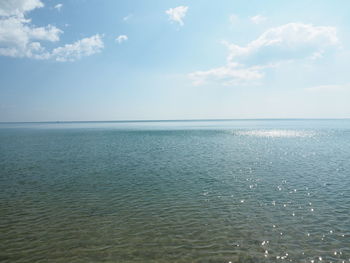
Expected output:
(258, 19)
(81, 48)
(328, 88)
(246, 64)
(58, 7)
(177, 14)
(127, 18)
(121, 38)
(233, 18)
(293, 40)
(229, 75)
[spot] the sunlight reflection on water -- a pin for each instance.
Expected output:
(175, 194)
(276, 133)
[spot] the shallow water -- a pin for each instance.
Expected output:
(200, 191)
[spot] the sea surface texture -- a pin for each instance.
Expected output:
(183, 191)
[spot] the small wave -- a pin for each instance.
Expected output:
(276, 133)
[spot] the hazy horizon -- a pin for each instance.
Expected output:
(177, 120)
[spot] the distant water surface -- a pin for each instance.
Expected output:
(183, 191)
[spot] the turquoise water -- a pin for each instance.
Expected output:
(200, 191)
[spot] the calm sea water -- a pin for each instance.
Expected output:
(202, 191)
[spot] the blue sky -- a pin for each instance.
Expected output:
(123, 60)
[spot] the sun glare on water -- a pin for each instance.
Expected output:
(276, 133)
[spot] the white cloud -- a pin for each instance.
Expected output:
(20, 38)
(293, 40)
(177, 14)
(81, 48)
(58, 7)
(121, 38)
(287, 42)
(18, 7)
(258, 19)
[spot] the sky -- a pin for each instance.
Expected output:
(84, 60)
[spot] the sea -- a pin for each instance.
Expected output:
(175, 191)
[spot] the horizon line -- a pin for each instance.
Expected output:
(168, 120)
